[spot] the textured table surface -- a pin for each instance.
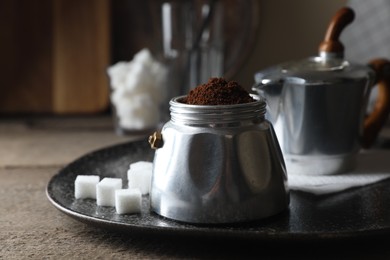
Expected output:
(33, 150)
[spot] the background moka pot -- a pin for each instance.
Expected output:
(217, 164)
(318, 105)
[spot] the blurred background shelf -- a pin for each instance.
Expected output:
(54, 53)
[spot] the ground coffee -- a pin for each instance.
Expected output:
(217, 91)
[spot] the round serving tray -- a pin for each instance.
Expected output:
(356, 213)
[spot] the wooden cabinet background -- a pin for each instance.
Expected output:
(54, 54)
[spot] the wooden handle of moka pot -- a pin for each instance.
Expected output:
(340, 20)
(378, 117)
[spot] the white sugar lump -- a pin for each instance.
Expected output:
(85, 186)
(141, 165)
(117, 74)
(137, 112)
(128, 201)
(140, 178)
(105, 191)
(138, 90)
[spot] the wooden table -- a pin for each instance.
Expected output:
(33, 150)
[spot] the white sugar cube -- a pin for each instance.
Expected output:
(141, 165)
(128, 201)
(85, 186)
(105, 191)
(140, 179)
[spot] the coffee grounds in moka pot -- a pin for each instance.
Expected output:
(217, 91)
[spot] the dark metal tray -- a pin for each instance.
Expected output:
(355, 213)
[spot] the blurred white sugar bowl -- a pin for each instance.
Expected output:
(138, 93)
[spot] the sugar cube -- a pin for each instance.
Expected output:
(140, 178)
(85, 186)
(141, 165)
(128, 201)
(105, 191)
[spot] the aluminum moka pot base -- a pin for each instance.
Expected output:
(217, 164)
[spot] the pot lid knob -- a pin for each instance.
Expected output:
(331, 45)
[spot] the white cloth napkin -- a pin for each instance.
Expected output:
(373, 166)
